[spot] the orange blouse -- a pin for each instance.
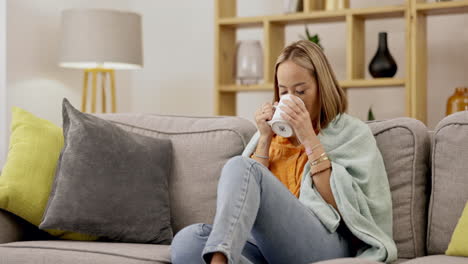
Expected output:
(287, 162)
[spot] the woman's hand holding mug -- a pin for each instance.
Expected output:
(262, 116)
(296, 114)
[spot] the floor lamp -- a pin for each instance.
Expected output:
(100, 41)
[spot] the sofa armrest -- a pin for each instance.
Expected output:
(13, 228)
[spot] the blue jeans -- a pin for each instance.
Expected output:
(258, 220)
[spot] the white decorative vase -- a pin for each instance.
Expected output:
(292, 6)
(249, 62)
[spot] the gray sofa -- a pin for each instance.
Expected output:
(423, 218)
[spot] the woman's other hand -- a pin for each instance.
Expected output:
(262, 116)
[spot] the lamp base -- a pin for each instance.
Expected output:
(94, 72)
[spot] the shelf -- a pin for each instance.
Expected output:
(264, 87)
(440, 8)
(379, 12)
(242, 21)
(296, 18)
(315, 16)
(378, 82)
(364, 83)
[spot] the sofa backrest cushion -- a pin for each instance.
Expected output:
(201, 147)
(405, 147)
(449, 180)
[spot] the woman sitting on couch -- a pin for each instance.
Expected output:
(321, 194)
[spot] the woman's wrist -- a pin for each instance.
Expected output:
(316, 154)
(312, 146)
(266, 138)
(264, 142)
(263, 146)
(310, 141)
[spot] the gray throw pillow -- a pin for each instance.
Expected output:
(110, 182)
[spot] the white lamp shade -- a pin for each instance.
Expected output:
(99, 38)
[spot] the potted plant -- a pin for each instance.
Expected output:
(370, 114)
(312, 38)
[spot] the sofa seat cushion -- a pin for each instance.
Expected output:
(438, 259)
(52, 252)
(355, 261)
(405, 147)
(347, 261)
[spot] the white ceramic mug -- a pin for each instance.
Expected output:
(280, 126)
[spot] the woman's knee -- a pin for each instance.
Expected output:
(239, 164)
(189, 242)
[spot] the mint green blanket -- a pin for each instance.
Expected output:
(359, 184)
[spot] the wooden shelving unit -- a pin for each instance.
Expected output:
(414, 12)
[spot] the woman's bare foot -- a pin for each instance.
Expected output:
(218, 258)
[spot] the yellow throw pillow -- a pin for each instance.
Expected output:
(459, 243)
(27, 176)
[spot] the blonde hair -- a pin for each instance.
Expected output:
(332, 98)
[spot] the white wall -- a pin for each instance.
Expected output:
(178, 74)
(3, 93)
(34, 80)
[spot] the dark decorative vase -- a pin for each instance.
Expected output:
(383, 64)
